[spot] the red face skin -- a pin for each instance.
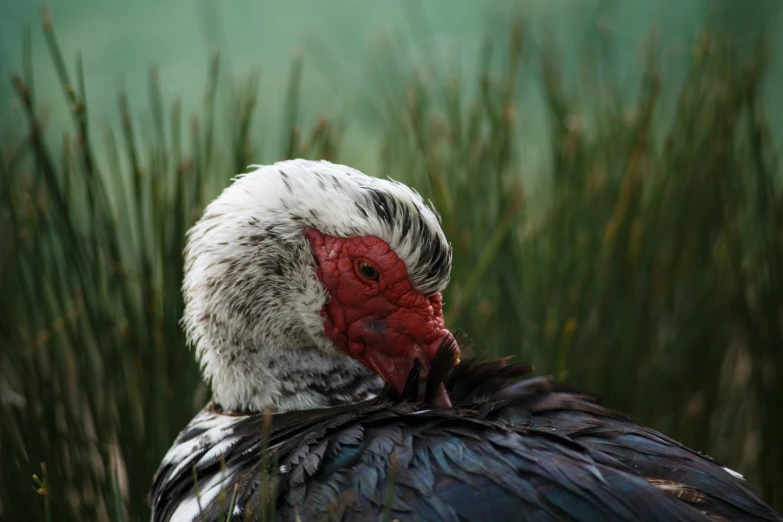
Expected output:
(382, 321)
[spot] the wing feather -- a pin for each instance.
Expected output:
(527, 450)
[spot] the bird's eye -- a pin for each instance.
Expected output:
(366, 270)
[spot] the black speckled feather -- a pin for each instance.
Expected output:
(528, 450)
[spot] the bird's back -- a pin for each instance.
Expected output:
(529, 451)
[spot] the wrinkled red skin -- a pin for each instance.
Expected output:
(385, 324)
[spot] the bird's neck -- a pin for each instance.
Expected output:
(292, 379)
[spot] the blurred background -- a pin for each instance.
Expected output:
(607, 171)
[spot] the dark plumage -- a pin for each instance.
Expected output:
(530, 450)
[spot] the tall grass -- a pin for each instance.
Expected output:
(652, 277)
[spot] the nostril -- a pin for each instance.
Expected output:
(377, 327)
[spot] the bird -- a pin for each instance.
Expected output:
(313, 301)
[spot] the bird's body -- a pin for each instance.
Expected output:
(524, 451)
(308, 285)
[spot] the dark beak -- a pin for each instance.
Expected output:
(418, 374)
